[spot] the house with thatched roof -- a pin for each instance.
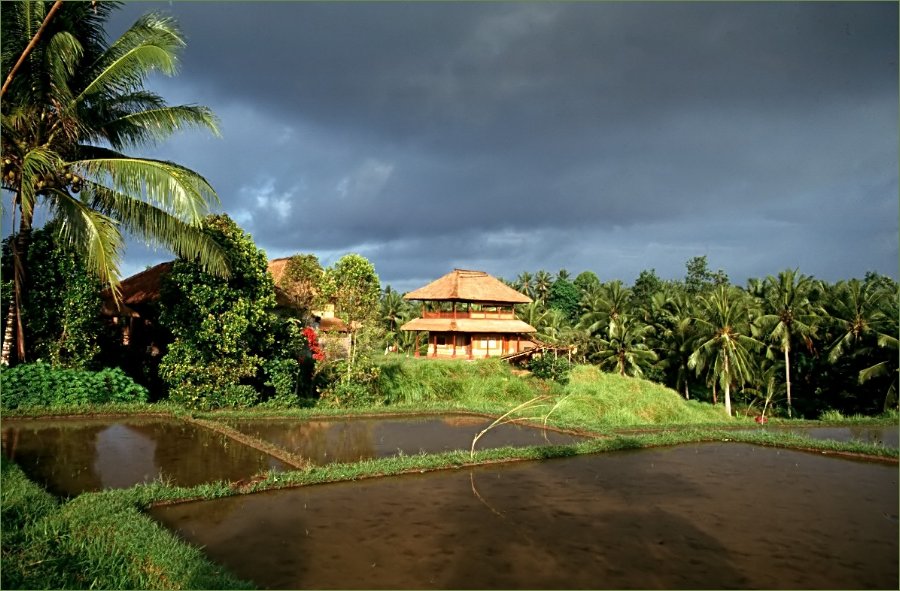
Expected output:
(137, 312)
(469, 315)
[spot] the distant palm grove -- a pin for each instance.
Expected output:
(785, 344)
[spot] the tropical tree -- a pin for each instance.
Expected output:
(788, 315)
(223, 329)
(301, 282)
(586, 281)
(724, 341)
(542, 283)
(855, 309)
(563, 275)
(624, 347)
(354, 287)
(604, 306)
(525, 284)
(564, 296)
(75, 103)
(671, 315)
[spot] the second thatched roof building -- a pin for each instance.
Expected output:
(469, 314)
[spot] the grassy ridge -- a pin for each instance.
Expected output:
(94, 541)
(591, 400)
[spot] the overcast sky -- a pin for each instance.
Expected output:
(611, 137)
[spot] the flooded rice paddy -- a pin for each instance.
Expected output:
(694, 516)
(72, 456)
(351, 440)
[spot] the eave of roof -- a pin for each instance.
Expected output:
(469, 325)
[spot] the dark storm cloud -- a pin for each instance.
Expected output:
(612, 137)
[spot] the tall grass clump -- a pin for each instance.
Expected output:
(599, 399)
(481, 384)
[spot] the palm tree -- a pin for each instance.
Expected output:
(789, 315)
(885, 368)
(525, 284)
(553, 326)
(542, 282)
(604, 306)
(563, 275)
(855, 309)
(625, 348)
(671, 315)
(75, 103)
(724, 344)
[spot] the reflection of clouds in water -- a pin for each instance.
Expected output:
(124, 457)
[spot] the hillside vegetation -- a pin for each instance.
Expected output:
(591, 398)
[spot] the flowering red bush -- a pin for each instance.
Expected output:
(312, 342)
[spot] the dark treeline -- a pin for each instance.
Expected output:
(788, 343)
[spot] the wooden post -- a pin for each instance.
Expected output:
(454, 334)
(418, 334)
(434, 344)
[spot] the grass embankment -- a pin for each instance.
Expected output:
(592, 399)
(98, 540)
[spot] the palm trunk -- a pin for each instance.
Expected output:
(31, 45)
(8, 334)
(787, 375)
(715, 399)
(687, 393)
(20, 245)
(727, 389)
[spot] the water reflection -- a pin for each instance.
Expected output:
(350, 440)
(72, 456)
(695, 516)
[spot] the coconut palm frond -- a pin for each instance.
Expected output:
(159, 228)
(94, 234)
(165, 184)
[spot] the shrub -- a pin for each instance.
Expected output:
(223, 328)
(346, 385)
(40, 384)
(551, 368)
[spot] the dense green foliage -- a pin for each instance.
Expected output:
(40, 384)
(76, 103)
(550, 367)
(61, 307)
(223, 329)
(94, 541)
(301, 283)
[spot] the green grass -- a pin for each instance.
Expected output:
(591, 400)
(97, 540)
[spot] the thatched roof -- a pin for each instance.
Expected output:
(469, 325)
(141, 288)
(144, 287)
(461, 285)
(277, 267)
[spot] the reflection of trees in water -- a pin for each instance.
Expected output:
(187, 455)
(60, 457)
(320, 441)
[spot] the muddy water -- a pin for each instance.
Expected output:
(69, 457)
(351, 440)
(695, 516)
